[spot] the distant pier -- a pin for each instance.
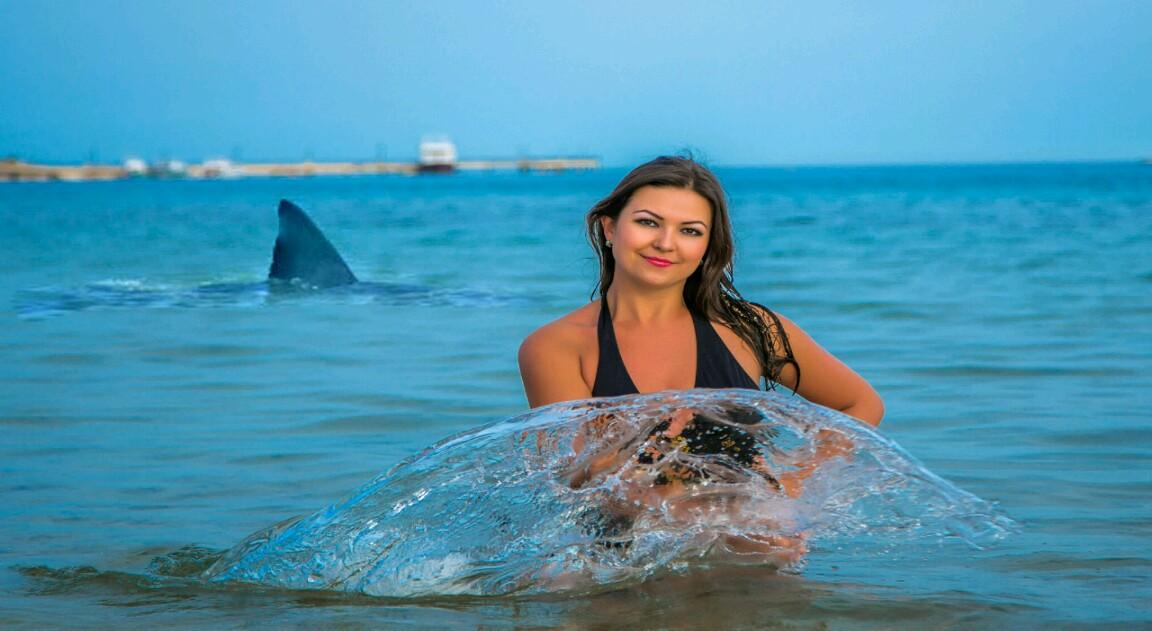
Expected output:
(19, 171)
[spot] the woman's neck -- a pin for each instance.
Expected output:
(645, 307)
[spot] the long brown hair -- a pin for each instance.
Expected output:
(709, 291)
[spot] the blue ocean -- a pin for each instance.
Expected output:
(160, 402)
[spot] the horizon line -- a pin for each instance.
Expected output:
(604, 165)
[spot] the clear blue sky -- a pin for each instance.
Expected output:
(752, 82)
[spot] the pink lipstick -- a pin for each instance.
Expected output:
(658, 262)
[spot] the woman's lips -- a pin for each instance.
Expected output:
(658, 262)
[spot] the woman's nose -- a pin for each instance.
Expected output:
(664, 241)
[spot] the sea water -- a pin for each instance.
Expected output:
(160, 403)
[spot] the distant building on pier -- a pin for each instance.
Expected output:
(168, 168)
(135, 167)
(437, 155)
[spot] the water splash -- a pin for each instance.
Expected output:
(589, 494)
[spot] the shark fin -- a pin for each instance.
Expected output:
(303, 253)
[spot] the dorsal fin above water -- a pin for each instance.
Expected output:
(303, 253)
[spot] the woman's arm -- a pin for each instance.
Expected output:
(827, 445)
(827, 380)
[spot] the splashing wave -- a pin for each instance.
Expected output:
(592, 494)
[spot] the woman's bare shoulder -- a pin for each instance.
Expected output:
(766, 312)
(568, 333)
(554, 359)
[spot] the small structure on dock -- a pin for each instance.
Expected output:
(168, 168)
(437, 155)
(215, 168)
(135, 167)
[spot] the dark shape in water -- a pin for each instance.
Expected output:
(304, 263)
(560, 499)
(302, 252)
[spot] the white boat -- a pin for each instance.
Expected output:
(437, 155)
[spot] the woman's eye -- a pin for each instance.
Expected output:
(692, 232)
(645, 222)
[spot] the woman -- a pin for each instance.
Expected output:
(668, 316)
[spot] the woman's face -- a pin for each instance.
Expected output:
(660, 236)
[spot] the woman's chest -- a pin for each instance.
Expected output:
(659, 358)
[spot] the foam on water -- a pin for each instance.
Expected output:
(562, 498)
(49, 301)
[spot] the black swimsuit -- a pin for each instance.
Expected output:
(715, 368)
(715, 365)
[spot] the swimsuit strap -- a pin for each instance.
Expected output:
(715, 365)
(612, 378)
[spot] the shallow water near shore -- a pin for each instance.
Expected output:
(1004, 312)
